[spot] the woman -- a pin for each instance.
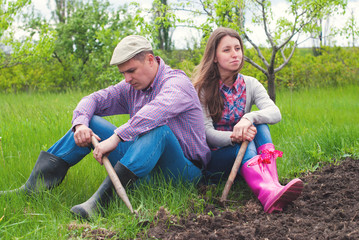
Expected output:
(227, 98)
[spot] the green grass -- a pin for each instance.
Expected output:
(318, 125)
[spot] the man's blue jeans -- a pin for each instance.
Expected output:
(222, 159)
(157, 150)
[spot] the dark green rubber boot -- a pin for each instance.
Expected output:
(104, 193)
(48, 172)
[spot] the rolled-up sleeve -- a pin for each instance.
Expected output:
(105, 102)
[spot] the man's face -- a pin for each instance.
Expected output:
(138, 73)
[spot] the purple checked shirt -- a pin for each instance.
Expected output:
(170, 100)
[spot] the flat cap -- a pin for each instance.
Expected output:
(128, 47)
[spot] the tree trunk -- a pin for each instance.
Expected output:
(60, 10)
(271, 85)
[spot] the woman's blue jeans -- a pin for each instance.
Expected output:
(155, 151)
(222, 159)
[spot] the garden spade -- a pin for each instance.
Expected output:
(234, 171)
(120, 190)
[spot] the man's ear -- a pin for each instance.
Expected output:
(150, 58)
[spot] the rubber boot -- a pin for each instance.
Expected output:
(48, 172)
(269, 155)
(105, 193)
(272, 195)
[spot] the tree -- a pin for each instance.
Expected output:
(64, 9)
(81, 29)
(8, 11)
(35, 44)
(73, 51)
(351, 29)
(304, 13)
(77, 30)
(229, 13)
(319, 34)
(162, 23)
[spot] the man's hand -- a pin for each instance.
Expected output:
(243, 131)
(83, 135)
(105, 147)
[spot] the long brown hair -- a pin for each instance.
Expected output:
(206, 75)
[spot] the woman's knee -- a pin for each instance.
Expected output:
(250, 152)
(263, 135)
(262, 128)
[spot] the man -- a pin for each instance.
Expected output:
(165, 130)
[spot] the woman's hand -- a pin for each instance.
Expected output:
(244, 130)
(83, 135)
(105, 147)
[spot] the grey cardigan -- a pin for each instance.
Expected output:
(255, 94)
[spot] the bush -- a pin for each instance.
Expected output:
(334, 66)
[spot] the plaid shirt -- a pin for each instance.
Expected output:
(170, 100)
(234, 104)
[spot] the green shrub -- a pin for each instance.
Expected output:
(334, 66)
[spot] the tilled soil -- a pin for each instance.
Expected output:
(327, 209)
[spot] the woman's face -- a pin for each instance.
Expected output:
(228, 55)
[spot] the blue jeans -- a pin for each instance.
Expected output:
(222, 159)
(155, 151)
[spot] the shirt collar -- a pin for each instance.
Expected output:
(161, 65)
(236, 85)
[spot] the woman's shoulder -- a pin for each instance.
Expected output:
(251, 81)
(249, 78)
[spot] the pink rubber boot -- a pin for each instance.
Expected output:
(270, 155)
(269, 192)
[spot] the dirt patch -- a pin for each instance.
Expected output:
(327, 209)
(85, 231)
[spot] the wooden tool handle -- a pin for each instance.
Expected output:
(120, 190)
(234, 171)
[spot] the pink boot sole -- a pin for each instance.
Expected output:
(288, 194)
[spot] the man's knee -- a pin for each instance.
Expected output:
(163, 128)
(159, 131)
(95, 120)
